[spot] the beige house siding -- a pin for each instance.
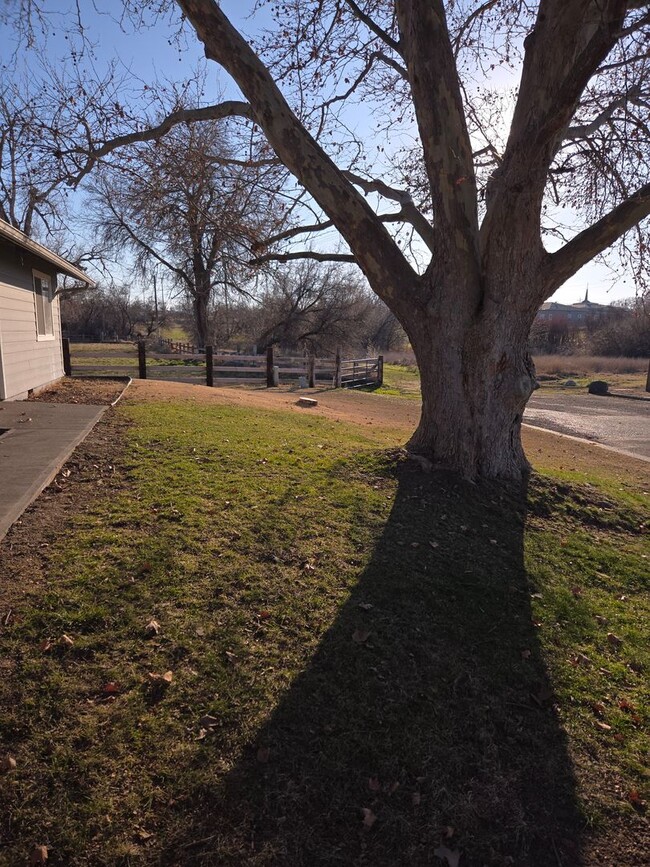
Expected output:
(27, 361)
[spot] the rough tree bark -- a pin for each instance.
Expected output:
(468, 316)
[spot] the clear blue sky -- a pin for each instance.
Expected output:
(153, 53)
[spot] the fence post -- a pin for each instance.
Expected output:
(337, 368)
(647, 382)
(209, 370)
(269, 367)
(311, 371)
(380, 370)
(67, 366)
(142, 359)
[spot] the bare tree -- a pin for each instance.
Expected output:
(185, 203)
(469, 312)
(109, 312)
(31, 183)
(459, 254)
(310, 306)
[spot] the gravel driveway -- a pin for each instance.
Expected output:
(612, 421)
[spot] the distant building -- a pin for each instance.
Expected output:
(570, 317)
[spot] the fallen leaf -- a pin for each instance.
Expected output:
(66, 641)
(451, 857)
(393, 788)
(624, 704)
(152, 628)
(603, 726)
(525, 654)
(434, 544)
(111, 688)
(360, 635)
(600, 619)
(614, 640)
(416, 799)
(263, 755)
(369, 818)
(577, 591)
(264, 615)
(38, 855)
(7, 764)
(143, 835)
(45, 645)
(635, 799)
(374, 785)
(598, 708)
(207, 721)
(365, 606)
(161, 679)
(449, 831)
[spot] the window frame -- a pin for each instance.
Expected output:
(43, 298)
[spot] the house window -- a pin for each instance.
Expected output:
(43, 302)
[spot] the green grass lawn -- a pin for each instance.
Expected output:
(367, 662)
(404, 381)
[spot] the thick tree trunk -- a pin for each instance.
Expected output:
(476, 377)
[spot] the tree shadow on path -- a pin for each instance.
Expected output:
(425, 718)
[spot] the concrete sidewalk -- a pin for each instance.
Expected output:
(40, 438)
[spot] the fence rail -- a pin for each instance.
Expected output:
(208, 366)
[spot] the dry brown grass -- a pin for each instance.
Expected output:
(588, 365)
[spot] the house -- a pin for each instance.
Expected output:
(31, 353)
(573, 317)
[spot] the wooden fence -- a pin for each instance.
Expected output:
(187, 365)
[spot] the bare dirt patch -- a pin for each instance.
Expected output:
(96, 392)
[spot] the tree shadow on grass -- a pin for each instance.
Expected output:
(425, 718)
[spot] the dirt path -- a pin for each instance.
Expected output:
(396, 414)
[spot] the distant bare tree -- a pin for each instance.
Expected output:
(186, 203)
(310, 306)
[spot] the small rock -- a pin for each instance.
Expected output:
(598, 386)
(570, 383)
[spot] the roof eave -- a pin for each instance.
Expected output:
(62, 265)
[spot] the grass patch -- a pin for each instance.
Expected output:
(401, 381)
(368, 662)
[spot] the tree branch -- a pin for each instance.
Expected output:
(443, 131)
(409, 213)
(597, 238)
(374, 27)
(375, 251)
(305, 254)
(184, 115)
(586, 129)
